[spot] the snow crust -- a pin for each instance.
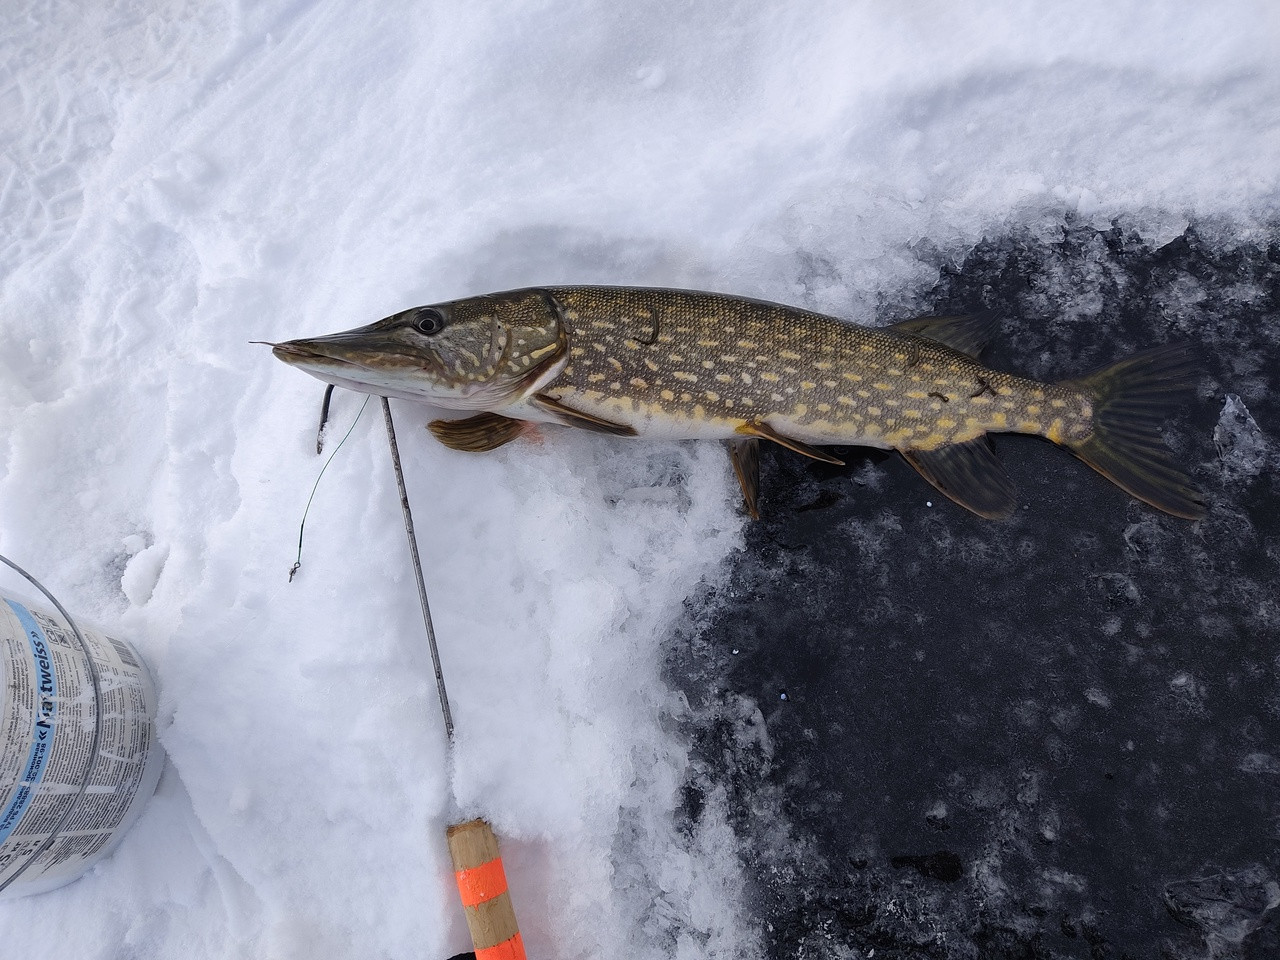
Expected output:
(179, 178)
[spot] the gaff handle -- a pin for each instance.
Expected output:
(482, 884)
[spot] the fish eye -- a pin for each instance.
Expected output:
(428, 321)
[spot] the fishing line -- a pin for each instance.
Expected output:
(303, 525)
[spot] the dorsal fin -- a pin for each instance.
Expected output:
(968, 334)
(969, 474)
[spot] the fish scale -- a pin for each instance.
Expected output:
(681, 364)
(713, 363)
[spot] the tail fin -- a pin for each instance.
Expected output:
(1131, 398)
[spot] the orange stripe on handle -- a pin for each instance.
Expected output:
(483, 886)
(481, 883)
(512, 949)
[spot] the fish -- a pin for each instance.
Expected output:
(691, 365)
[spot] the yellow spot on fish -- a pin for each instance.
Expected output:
(711, 395)
(747, 345)
(864, 394)
(613, 362)
(1054, 432)
(577, 351)
(775, 397)
(824, 365)
(616, 386)
(1029, 426)
(686, 397)
(916, 394)
(800, 409)
(684, 375)
(650, 364)
(1000, 419)
(1037, 394)
(705, 342)
(852, 377)
(729, 358)
(868, 348)
(807, 384)
(667, 395)
(881, 385)
(824, 408)
(708, 364)
(723, 378)
(847, 401)
(789, 355)
(639, 384)
(677, 358)
(874, 411)
(1058, 402)
(771, 377)
(1033, 408)
(595, 378)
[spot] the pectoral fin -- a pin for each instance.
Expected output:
(757, 429)
(484, 431)
(745, 455)
(969, 474)
(576, 418)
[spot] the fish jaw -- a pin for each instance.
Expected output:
(357, 361)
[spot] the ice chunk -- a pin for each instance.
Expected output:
(1242, 448)
(1225, 906)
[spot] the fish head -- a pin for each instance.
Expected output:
(480, 353)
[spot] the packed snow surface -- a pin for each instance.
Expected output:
(179, 178)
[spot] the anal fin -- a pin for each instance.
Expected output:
(484, 431)
(576, 418)
(745, 455)
(969, 474)
(756, 428)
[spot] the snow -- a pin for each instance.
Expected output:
(180, 178)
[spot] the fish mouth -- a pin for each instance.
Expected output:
(302, 351)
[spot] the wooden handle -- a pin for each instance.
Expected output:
(482, 884)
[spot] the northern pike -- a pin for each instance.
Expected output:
(703, 366)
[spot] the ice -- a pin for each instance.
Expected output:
(181, 178)
(1242, 448)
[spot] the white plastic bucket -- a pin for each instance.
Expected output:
(78, 749)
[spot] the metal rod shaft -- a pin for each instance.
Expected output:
(417, 570)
